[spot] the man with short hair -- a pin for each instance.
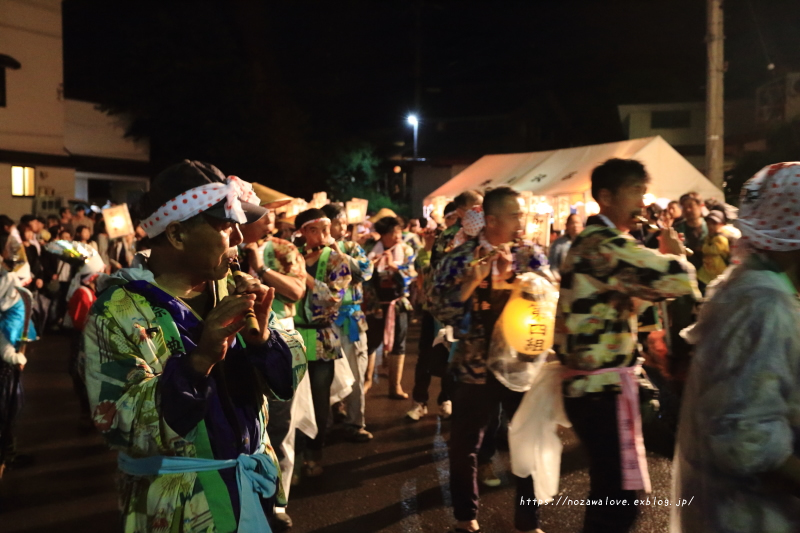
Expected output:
(471, 287)
(176, 375)
(463, 203)
(607, 280)
(559, 248)
(327, 278)
(352, 323)
(66, 220)
(277, 263)
(693, 227)
(450, 215)
(80, 218)
(674, 212)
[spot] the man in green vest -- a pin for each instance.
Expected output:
(327, 278)
(352, 323)
(277, 263)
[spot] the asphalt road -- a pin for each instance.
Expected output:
(396, 483)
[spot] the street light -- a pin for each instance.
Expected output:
(414, 121)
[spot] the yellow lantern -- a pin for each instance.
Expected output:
(528, 319)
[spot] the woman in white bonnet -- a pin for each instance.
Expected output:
(737, 467)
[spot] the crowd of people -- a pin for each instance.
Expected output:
(225, 341)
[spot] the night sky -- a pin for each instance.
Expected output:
(275, 88)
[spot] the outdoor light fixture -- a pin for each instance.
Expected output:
(118, 221)
(414, 121)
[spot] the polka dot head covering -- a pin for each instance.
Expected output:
(193, 187)
(769, 208)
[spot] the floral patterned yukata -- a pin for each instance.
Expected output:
(284, 258)
(351, 319)
(321, 304)
(148, 401)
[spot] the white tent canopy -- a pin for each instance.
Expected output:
(568, 171)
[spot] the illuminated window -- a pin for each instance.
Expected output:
(23, 181)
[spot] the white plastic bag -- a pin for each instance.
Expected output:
(532, 434)
(527, 322)
(508, 368)
(343, 380)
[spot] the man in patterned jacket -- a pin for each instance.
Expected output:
(277, 263)
(607, 280)
(352, 323)
(471, 287)
(175, 379)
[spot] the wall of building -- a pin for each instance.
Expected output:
(638, 122)
(428, 178)
(33, 119)
(89, 131)
(61, 180)
(118, 189)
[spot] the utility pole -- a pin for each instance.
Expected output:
(715, 100)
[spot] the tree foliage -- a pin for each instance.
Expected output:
(356, 172)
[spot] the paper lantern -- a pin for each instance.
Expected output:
(318, 200)
(528, 319)
(356, 210)
(118, 221)
(437, 205)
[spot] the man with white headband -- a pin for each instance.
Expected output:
(175, 379)
(352, 322)
(737, 453)
(327, 277)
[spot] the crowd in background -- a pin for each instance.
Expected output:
(351, 292)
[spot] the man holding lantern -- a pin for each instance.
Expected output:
(607, 280)
(471, 286)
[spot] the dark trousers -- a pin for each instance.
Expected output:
(422, 372)
(474, 407)
(594, 419)
(376, 326)
(78, 385)
(320, 375)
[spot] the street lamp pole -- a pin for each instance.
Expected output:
(414, 121)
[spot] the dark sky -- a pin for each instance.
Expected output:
(327, 72)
